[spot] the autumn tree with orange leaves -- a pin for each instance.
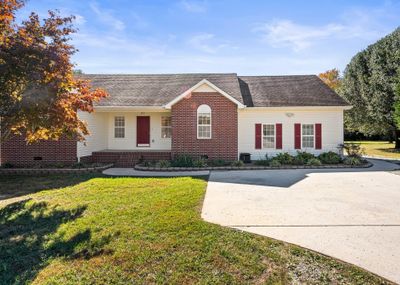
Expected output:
(39, 95)
(331, 78)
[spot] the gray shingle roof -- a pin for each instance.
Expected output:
(157, 89)
(252, 91)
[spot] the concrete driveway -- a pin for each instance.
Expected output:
(350, 214)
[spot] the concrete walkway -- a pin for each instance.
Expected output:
(350, 214)
(137, 173)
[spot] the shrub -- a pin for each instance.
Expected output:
(148, 163)
(7, 165)
(237, 163)
(330, 157)
(302, 158)
(78, 165)
(217, 162)
(262, 162)
(314, 161)
(352, 149)
(275, 163)
(182, 160)
(284, 158)
(351, 160)
(164, 163)
(200, 162)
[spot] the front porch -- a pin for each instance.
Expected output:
(128, 158)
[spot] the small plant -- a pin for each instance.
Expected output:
(182, 160)
(284, 158)
(148, 163)
(352, 149)
(200, 162)
(314, 161)
(302, 157)
(262, 162)
(237, 163)
(7, 165)
(164, 163)
(78, 165)
(351, 160)
(217, 162)
(275, 163)
(330, 157)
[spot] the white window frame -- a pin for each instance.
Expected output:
(268, 136)
(204, 110)
(309, 136)
(166, 127)
(118, 126)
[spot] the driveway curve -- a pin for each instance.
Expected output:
(349, 214)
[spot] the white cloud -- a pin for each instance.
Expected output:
(204, 42)
(286, 33)
(107, 17)
(193, 6)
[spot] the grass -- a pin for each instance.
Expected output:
(97, 230)
(379, 149)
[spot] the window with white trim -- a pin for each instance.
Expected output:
(307, 136)
(268, 136)
(166, 129)
(204, 122)
(119, 127)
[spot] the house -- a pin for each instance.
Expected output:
(217, 116)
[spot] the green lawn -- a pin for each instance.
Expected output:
(97, 230)
(379, 149)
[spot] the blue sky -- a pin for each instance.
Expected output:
(246, 37)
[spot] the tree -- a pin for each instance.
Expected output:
(369, 84)
(39, 95)
(397, 105)
(331, 78)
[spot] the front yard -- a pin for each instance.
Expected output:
(379, 149)
(90, 230)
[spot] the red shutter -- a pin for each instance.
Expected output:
(318, 136)
(258, 136)
(278, 136)
(297, 136)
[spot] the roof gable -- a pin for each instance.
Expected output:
(196, 86)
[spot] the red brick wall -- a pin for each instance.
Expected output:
(224, 127)
(18, 153)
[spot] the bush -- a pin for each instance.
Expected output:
(7, 165)
(200, 163)
(351, 160)
(164, 163)
(330, 157)
(302, 158)
(352, 149)
(262, 162)
(275, 163)
(237, 163)
(182, 160)
(314, 161)
(217, 162)
(149, 164)
(284, 158)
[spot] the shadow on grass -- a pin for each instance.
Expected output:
(29, 239)
(19, 185)
(389, 150)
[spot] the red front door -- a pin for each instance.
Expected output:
(143, 131)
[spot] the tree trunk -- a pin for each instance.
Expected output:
(396, 135)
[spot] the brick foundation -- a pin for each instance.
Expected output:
(129, 158)
(224, 127)
(17, 152)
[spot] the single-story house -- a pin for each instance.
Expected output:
(217, 116)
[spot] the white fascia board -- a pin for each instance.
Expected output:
(129, 109)
(299, 108)
(204, 81)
